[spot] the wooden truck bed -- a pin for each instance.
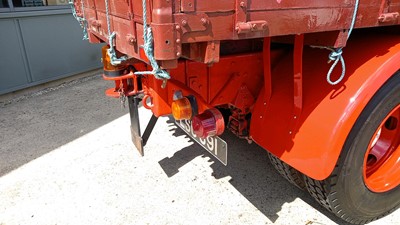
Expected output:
(194, 29)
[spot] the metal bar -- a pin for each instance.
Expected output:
(267, 69)
(42, 8)
(297, 83)
(149, 129)
(45, 11)
(138, 140)
(135, 124)
(298, 73)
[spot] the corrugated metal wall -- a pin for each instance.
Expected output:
(40, 46)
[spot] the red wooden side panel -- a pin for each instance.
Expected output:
(193, 21)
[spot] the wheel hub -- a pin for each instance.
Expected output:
(382, 159)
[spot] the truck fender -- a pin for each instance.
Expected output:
(312, 141)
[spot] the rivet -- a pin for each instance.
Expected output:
(178, 40)
(178, 54)
(177, 27)
(261, 117)
(242, 4)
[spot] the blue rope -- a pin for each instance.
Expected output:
(149, 50)
(336, 54)
(111, 52)
(114, 60)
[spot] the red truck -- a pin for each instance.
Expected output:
(259, 69)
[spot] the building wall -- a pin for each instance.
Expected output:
(38, 46)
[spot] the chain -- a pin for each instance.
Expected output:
(122, 96)
(164, 83)
(82, 21)
(84, 24)
(108, 18)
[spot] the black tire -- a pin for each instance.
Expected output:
(344, 192)
(289, 173)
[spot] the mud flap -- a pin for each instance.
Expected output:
(138, 140)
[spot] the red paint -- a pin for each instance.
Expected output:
(194, 21)
(295, 114)
(329, 112)
(382, 159)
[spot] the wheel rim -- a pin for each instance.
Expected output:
(382, 159)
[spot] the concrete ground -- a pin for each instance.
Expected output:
(66, 158)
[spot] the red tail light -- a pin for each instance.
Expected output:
(209, 123)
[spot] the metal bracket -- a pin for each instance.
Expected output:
(188, 6)
(388, 17)
(251, 26)
(194, 22)
(139, 140)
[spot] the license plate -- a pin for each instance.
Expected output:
(215, 145)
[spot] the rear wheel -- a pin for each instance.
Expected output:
(288, 172)
(364, 185)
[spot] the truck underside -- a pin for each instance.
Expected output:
(259, 69)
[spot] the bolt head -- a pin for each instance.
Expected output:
(184, 22)
(264, 26)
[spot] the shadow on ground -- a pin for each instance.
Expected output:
(251, 174)
(57, 116)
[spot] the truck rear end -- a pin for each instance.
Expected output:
(259, 69)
